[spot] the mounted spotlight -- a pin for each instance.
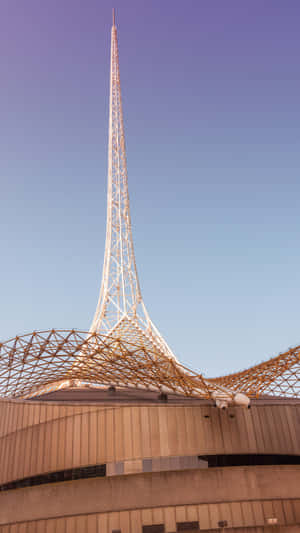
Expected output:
(223, 399)
(241, 400)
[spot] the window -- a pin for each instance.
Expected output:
(157, 528)
(188, 526)
(253, 459)
(56, 477)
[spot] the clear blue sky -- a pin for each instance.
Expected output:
(211, 103)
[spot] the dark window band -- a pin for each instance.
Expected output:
(55, 477)
(219, 460)
(252, 459)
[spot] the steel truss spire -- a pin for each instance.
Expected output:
(120, 307)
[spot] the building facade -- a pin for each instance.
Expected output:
(128, 462)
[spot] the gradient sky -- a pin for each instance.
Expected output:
(211, 104)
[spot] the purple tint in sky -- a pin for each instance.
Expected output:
(211, 103)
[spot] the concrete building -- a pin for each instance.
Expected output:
(126, 461)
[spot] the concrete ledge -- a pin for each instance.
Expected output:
(150, 490)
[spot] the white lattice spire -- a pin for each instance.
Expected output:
(120, 307)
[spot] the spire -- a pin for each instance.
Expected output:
(113, 16)
(120, 291)
(120, 307)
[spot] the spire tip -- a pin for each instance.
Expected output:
(114, 17)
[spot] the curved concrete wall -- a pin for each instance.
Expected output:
(39, 437)
(248, 486)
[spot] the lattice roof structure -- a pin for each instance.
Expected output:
(48, 360)
(123, 347)
(279, 376)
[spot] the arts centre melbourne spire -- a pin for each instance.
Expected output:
(121, 310)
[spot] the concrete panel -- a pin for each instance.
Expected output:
(214, 515)
(192, 513)
(162, 489)
(113, 521)
(180, 513)
(154, 431)
(91, 524)
(60, 525)
(127, 432)
(135, 522)
(258, 513)
(147, 517)
(103, 523)
(145, 432)
(169, 519)
(204, 517)
(119, 435)
(125, 522)
(158, 516)
(92, 441)
(137, 432)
